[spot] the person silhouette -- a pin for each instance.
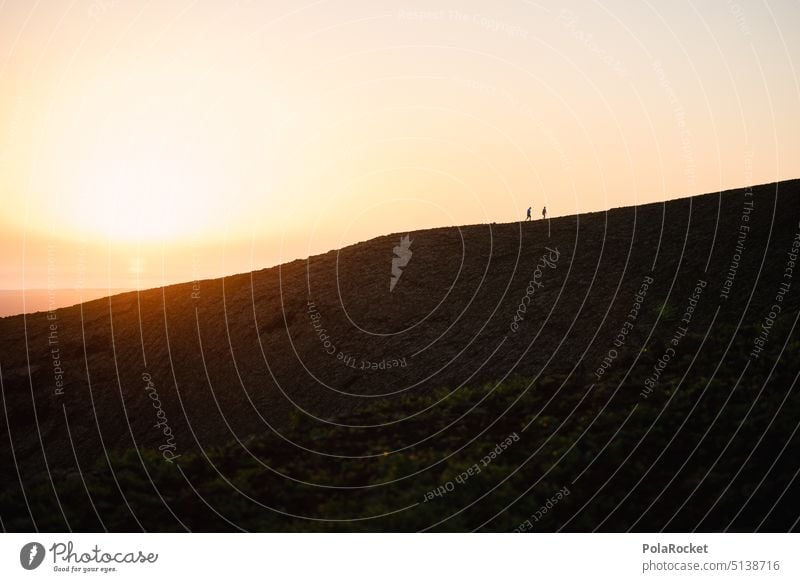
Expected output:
(544, 212)
(529, 214)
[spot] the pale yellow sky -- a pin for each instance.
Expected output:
(144, 143)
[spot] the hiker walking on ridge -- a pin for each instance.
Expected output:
(529, 214)
(544, 212)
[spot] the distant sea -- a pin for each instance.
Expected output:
(15, 302)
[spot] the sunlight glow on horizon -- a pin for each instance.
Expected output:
(161, 143)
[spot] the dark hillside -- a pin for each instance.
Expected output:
(644, 357)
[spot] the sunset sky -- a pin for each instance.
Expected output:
(144, 143)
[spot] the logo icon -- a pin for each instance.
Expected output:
(403, 254)
(31, 555)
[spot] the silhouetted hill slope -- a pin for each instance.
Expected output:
(537, 306)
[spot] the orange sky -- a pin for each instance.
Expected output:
(144, 143)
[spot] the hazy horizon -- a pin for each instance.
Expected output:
(143, 145)
(39, 298)
(19, 301)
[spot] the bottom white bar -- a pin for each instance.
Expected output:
(399, 557)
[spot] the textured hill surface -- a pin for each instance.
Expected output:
(320, 343)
